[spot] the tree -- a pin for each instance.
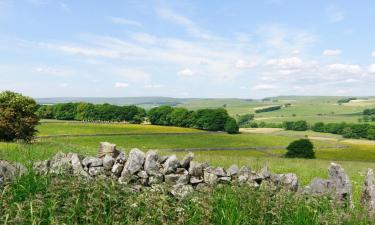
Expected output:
(371, 134)
(231, 126)
(245, 119)
(17, 117)
(302, 148)
(160, 115)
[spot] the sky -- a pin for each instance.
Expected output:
(210, 48)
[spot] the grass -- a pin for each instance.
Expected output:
(46, 200)
(74, 128)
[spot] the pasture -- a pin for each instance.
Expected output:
(38, 199)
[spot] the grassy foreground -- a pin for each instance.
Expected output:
(46, 200)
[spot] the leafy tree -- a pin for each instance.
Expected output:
(371, 134)
(211, 119)
(231, 126)
(45, 112)
(302, 148)
(180, 117)
(318, 127)
(160, 115)
(17, 117)
(244, 120)
(65, 111)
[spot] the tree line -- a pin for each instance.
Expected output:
(83, 111)
(204, 119)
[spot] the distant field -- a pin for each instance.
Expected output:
(74, 128)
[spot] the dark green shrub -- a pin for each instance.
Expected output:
(231, 126)
(302, 148)
(17, 117)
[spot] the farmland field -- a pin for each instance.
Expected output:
(255, 150)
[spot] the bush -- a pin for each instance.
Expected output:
(17, 117)
(268, 109)
(297, 125)
(231, 126)
(244, 120)
(302, 148)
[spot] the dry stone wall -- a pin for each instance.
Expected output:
(139, 169)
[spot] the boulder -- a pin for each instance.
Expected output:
(90, 161)
(96, 171)
(264, 173)
(78, 170)
(224, 180)
(108, 162)
(233, 170)
(185, 162)
(180, 177)
(155, 179)
(118, 166)
(219, 171)
(368, 192)
(243, 174)
(134, 162)
(60, 164)
(209, 177)
(10, 171)
(288, 181)
(106, 148)
(318, 187)
(195, 169)
(181, 190)
(171, 164)
(152, 166)
(195, 180)
(42, 167)
(142, 174)
(340, 183)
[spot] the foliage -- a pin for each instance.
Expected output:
(300, 125)
(231, 126)
(346, 100)
(347, 130)
(268, 109)
(302, 148)
(17, 117)
(204, 119)
(83, 111)
(245, 120)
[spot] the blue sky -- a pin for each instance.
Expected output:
(211, 48)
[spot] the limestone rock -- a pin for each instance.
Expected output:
(134, 162)
(289, 181)
(90, 161)
(180, 177)
(170, 165)
(209, 178)
(96, 171)
(264, 173)
(243, 174)
(224, 180)
(60, 164)
(155, 179)
(185, 163)
(75, 160)
(219, 171)
(339, 181)
(106, 148)
(195, 180)
(368, 192)
(233, 170)
(9, 171)
(118, 166)
(42, 167)
(108, 162)
(181, 190)
(152, 165)
(317, 187)
(195, 169)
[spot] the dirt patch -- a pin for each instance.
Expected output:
(323, 138)
(260, 130)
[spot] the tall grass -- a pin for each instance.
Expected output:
(34, 199)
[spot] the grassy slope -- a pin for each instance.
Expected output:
(92, 128)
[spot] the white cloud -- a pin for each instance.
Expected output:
(123, 21)
(345, 68)
(144, 38)
(153, 86)
(286, 63)
(186, 72)
(65, 7)
(264, 87)
(373, 54)
(371, 68)
(242, 64)
(121, 85)
(47, 70)
(188, 24)
(332, 52)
